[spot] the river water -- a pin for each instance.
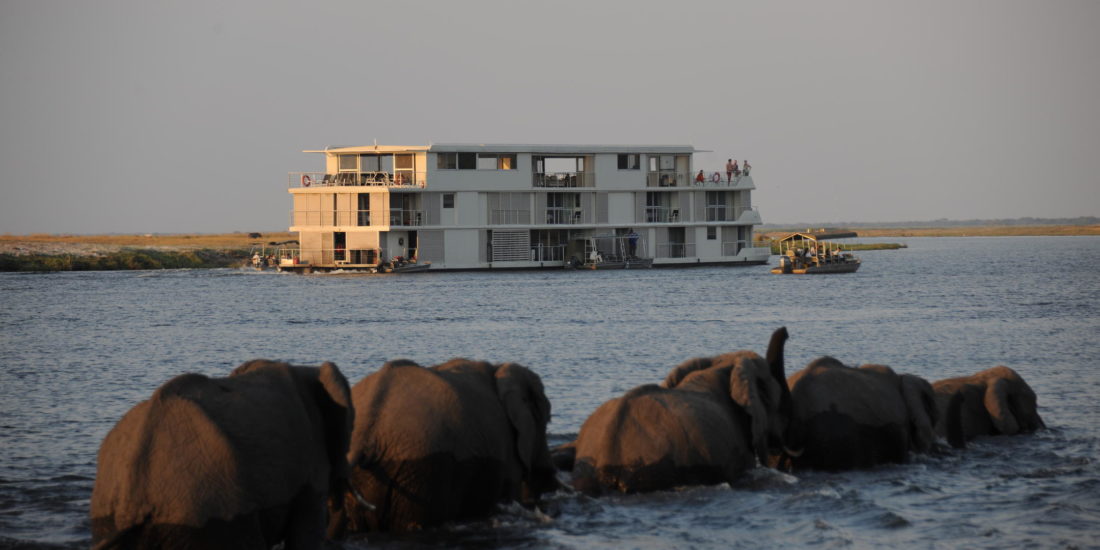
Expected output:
(77, 350)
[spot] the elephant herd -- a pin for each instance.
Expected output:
(276, 453)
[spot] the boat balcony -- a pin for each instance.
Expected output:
(399, 178)
(675, 250)
(662, 214)
(667, 178)
(564, 179)
(509, 217)
(564, 215)
(404, 218)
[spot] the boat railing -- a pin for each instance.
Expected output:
(509, 217)
(328, 257)
(709, 180)
(563, 215)
(564, 179)
(397, 178)
(355, 218)
(547, 253)
(675, 250)
(662, 214)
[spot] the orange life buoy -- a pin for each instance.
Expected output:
(716, 178)
(306, 180)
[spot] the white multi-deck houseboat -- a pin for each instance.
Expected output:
(467, 206)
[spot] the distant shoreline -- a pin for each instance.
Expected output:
(949, 231)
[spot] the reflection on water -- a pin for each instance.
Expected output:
(79, 349)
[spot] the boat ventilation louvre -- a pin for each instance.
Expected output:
(511, 246)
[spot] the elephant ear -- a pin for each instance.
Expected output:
(520, 392)
(920, 401)
(748, 389)
(996, 403)
(338, 414)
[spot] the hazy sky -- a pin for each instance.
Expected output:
(141, 116)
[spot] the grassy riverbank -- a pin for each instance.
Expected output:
(120, 252)
(125, 259)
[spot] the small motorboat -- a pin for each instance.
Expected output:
(811, 254)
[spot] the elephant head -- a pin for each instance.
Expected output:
(521, 393)
(329, 390)
(920, 400)
(758, 386)
(995, 401)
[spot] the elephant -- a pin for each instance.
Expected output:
(245, 461)
(445, 443)
(708, 422)
(847, 417)
(995, 401)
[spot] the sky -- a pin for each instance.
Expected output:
(180, 117)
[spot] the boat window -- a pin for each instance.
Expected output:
(486, 162)
(467, 161)
(349, 163)
(495, 161)
(403, 162)
(712, 233)
(369, 163)
(446, 161)
(448, 200)
(629, 162)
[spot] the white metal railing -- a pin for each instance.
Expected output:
(563, 215)
(397, 178)
(509, 217)
(356, 218)
(676, 250)
(564, 179)
(661, 214)
(718, 179)
(547, 253)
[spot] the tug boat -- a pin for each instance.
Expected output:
(812, 254)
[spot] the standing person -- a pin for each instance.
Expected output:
(632, 238)
(736, 170)
(746, 167)
(729, 170)
(700, 178)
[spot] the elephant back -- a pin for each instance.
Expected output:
(432, 410)
(203, 448)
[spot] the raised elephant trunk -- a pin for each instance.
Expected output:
(775, 354)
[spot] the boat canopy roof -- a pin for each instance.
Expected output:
(818, 236)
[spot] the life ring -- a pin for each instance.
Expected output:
(306, 180)
(716, 178)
